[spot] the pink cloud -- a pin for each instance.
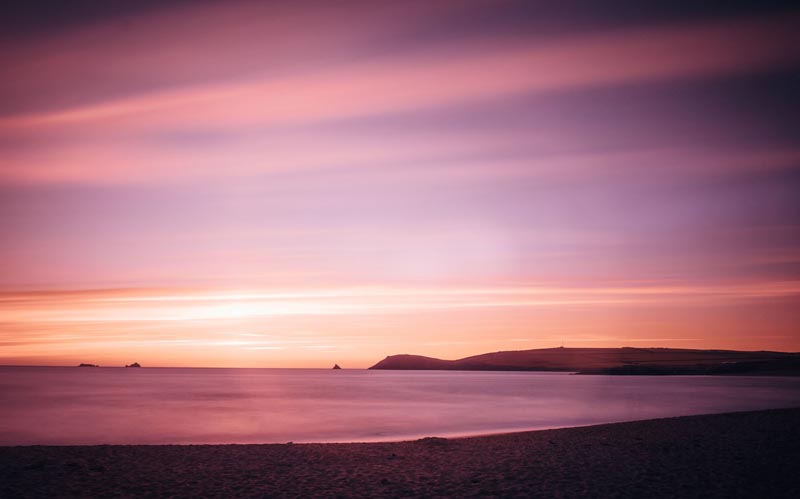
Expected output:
(97, 139)
(449, 75)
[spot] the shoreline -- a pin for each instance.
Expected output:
(403, 439)
(739, 454)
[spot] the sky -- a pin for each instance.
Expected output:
(257, 184)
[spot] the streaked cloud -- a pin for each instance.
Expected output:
(252, 183)
(444, 76)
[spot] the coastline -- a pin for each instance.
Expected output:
(742, 454)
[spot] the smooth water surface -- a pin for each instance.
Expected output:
(70, 405)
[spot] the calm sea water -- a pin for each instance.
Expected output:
(68, 405)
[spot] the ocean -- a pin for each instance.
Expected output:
(86, 406)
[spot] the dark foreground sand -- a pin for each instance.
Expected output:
(752, 454)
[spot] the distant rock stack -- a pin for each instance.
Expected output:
(336, 366)
(87, 365)
(135, 364)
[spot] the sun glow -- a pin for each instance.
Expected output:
(308, 323)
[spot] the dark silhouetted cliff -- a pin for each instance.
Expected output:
(652, 361)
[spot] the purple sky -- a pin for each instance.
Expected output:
(444, 178)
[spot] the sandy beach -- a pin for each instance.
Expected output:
(748, 454)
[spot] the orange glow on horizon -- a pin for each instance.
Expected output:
(227, 328)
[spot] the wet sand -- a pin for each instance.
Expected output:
(749, 454)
